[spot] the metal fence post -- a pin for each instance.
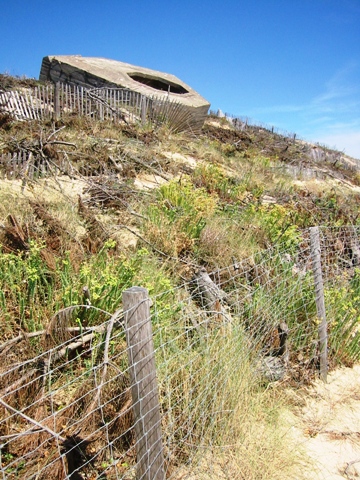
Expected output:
(319, 298)
(144, 389)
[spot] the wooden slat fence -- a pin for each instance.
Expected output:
(29, 104)
(25, 164)
(20, 165)
(115, 104)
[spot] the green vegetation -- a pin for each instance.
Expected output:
(225, 199)
(343, 312)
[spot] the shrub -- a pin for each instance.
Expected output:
(176, 219)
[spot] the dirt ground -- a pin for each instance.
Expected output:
(327, 426)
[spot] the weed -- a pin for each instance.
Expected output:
(176, 220)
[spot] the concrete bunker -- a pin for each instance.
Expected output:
(94, 72)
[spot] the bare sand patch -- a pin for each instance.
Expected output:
(327, 425)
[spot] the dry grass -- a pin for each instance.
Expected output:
(223, 240)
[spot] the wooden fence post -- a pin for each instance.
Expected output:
(319, 298)
(144, 389)
(57, 101)
(143, 103)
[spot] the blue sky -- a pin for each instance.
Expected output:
(294, 64)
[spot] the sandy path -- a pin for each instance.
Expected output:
(327, 426)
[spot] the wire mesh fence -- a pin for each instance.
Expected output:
(86, 402)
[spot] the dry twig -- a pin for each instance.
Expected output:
(31, 420)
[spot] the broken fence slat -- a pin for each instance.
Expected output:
(17, 104)
(34, 107)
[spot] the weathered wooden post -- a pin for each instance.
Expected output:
(143, 109)
(319, 298)
(57, 101)
(144, 389)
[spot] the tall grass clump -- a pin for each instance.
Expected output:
(274, 290)
(216, 416)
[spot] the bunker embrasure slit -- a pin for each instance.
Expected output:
(157, 83)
